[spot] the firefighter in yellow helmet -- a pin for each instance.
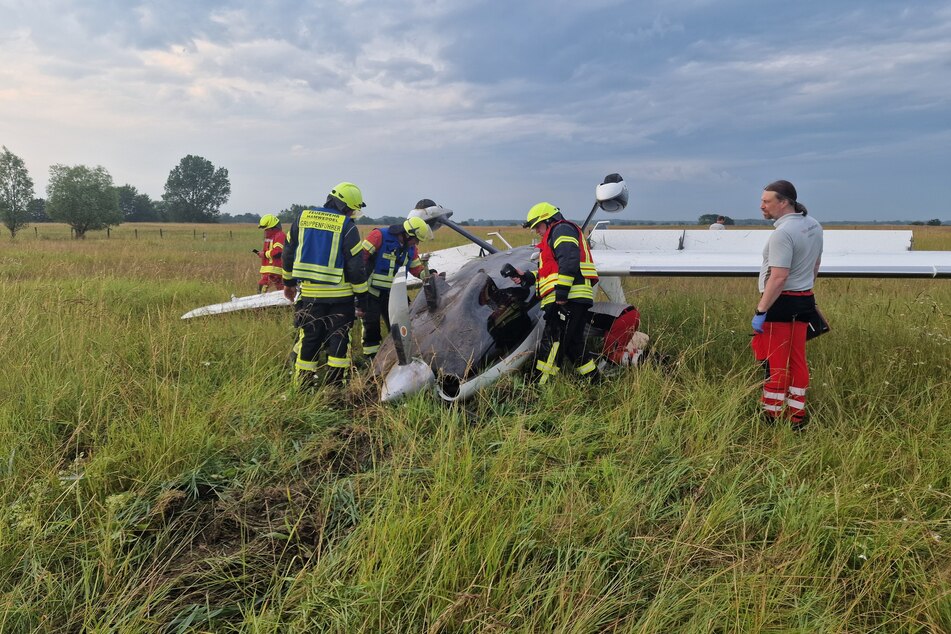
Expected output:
(323, 261)
(272, 270)
(565, 286)
(385, 250)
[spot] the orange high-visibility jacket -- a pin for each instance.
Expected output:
(565, 268)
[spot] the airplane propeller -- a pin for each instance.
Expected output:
(411, 374)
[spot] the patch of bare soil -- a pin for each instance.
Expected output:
(348, 450)
(232, 549)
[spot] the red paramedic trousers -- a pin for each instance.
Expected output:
(782, 349)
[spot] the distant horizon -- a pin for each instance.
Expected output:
(647, 221)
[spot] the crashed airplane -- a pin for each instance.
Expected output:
(468, 333)
(471, 325)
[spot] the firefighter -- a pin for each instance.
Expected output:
(385, 250)
(272, 272)
(323, 260)
(565, 286)
(790, 263)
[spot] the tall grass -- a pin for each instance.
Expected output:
(160, 475)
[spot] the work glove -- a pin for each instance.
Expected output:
(758, 321)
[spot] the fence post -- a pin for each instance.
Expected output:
(136, 233)
(160, 234)
(230, 235)
(108, 232)
(36, 232)
(194, 233)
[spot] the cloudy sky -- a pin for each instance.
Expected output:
(488, 107)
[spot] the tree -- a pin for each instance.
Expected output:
(240, 218)
(82, 197)
(37, 210)
(934, 222)
(289, 215)
(16, 192)
(136, 207)
(195, 190)
(709, 219)
(161, 210)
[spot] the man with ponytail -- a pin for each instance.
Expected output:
(790, 263)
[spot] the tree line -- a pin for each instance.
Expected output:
(86, 199)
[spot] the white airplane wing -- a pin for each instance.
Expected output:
(447, 261)
(692, 253)
(261, 300)
(695, 253)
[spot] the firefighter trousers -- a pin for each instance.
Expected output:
(322, 327)
(563, 340)
(270, 282)
(378, 307)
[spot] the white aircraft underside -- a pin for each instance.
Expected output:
(696, 253)
(693, 253)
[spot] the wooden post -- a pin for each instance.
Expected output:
(194, 233)
(108, 232)
(136, 233)
(230, 235)
(160, 233)
(36, 232)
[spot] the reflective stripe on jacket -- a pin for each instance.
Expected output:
(566, 270)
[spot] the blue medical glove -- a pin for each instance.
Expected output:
(758, 321)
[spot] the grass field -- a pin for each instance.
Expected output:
(159, 475)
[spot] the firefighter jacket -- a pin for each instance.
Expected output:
(385, 255)
(323, 254)
(566, 271)
(274, 240)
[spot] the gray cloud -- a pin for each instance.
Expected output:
(691, 98)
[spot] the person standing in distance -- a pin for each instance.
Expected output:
(719, 225)
(323, 259)
(791, 261)
(565, 285)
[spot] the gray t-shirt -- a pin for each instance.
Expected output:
(796, 244)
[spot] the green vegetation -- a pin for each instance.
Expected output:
(159, 475)
(195, 190)
(83, 198)
(16, 192)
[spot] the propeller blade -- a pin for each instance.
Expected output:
(410, 375)
(400, 322)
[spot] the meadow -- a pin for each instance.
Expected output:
(160, 475)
